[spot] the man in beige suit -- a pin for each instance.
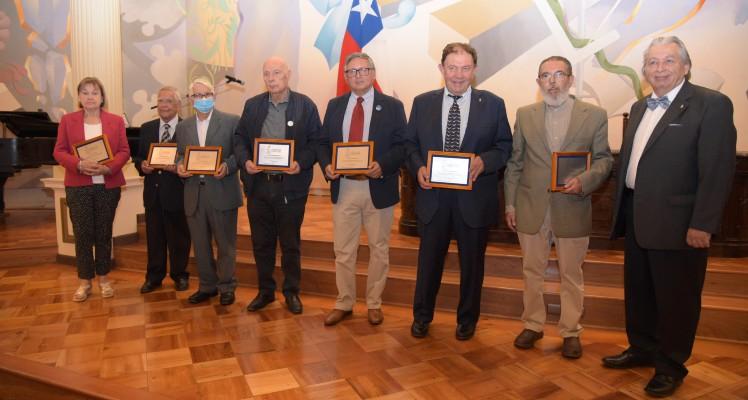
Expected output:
(558, 123)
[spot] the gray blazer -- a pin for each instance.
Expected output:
(528, 172)
(222, 194)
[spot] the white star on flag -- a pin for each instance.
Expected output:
(364, 9)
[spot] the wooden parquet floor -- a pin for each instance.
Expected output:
(160, 343)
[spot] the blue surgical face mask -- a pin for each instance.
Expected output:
(204, 105)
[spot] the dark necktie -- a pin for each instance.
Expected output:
(663, 102)
(356, 133)
(452, 138)
(165, 135)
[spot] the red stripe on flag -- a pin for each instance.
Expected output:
(349, 46)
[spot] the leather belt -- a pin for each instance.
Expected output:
(356, 177)
(273, 177)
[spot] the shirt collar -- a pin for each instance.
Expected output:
(283, 100)
(465, 96)
(172, 122)
(368, 96)
(674, 92)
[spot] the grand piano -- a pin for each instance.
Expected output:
(35, 135)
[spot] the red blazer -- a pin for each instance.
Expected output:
(70, 132)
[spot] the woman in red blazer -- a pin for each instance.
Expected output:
(92, 189)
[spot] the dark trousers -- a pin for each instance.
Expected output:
(273, 218)
(166, 231)
(471, 246)
(663, 299)
(92, 211)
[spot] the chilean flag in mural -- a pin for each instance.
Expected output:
(364, 23)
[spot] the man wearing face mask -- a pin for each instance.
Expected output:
(211, 202)
(558, 123)
(276, 200)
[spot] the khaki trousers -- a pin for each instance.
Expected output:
(571, 252)
(354, 208)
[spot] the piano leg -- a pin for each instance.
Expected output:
(3, 178)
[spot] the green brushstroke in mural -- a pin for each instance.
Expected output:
(629, 72)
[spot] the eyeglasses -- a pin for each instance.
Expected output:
(358, 72)
(166, 101)
(558, 75)
(196, 96)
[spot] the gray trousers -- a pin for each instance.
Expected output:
(206, 225)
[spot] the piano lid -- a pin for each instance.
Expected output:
(29, 124)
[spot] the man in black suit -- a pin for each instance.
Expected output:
(456, 118)
(163, 198)
(275, 200)
(677, 163)
(369, 198)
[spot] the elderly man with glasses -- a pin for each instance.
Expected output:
(559, 123)
(368, 198)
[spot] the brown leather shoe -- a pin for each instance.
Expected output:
(572, 347)
(375, 316)
(336, 316)
(527, 338)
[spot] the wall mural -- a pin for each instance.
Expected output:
(170, 42)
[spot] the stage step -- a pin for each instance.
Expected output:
(724, 311)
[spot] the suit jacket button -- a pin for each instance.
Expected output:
(157, 185)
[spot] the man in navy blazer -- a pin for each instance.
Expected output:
(676, 168)
(364, 114)
(163, 198)
(456, 118)
(276, 200)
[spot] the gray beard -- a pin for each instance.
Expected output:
(557, 101)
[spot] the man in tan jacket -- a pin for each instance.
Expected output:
(559, 123)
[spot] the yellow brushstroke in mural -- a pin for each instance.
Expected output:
(634, 13)
(470, 18)
(678, 23)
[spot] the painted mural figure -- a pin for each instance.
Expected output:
(676, 168)
(363, 114)
(559, 123)
(211, 202)
(456, 118)
(276, 200)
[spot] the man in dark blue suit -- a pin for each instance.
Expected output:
(363, 114)
(456, 118)
(676, 168)
(163, 198)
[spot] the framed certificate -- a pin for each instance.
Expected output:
(566, 165)
(273, 154)
(94, 149)
(203, 160)
(162, 155)
(450, 170)
(352, 157)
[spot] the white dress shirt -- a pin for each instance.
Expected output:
(644, 132)
(368, 106)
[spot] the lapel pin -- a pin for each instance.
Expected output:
(480, 99)
(378, 107)
(681, 106)
(289, 123)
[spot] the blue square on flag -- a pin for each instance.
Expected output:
(364, 21)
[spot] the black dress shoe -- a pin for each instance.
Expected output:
(464, 331)
(199, 297)
(149, 286)
(182, 284)
(662, 385)
(627, 359)
(293, 302)
(227, 298)
(419, 329)
(260, 301)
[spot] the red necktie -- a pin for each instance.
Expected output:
(356, 133)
